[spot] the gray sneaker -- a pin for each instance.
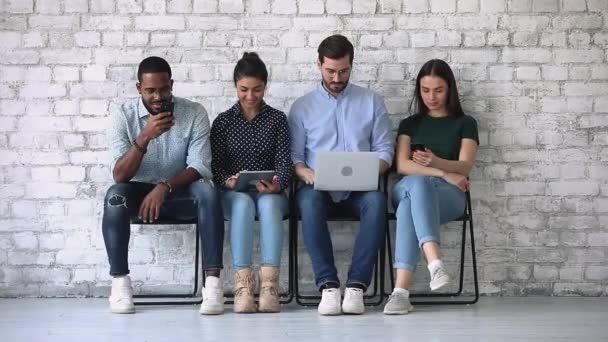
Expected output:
(398, 304)
(439, 279)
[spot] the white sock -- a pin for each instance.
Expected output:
(119, 279)
(400, 291)
(211, 281)
(435, 265)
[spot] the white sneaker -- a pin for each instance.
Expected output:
(121, 297)
(398, 304)
(353, 301)
(439, 278)
(213, 297)
(330, 302)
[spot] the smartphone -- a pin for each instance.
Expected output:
(417, 147)
(167, 106)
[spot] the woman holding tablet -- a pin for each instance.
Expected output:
(436, 151)
(252, 136)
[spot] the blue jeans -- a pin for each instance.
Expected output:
(240, 208)
(200, 200)
(422, 204)
(315, 206)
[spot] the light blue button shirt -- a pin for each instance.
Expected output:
(354, 121)
(186, 144)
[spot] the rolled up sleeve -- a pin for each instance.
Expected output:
(199, 149)
(118, 136)
(283, 162)
(382, 135)
(298, 135)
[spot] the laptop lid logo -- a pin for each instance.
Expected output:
(347, 171)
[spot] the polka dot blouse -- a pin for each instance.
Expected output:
(260, 144)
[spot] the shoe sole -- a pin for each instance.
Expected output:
(330, 313)
(123, 311)
(211, 313)
(401, 312)
(357, 311)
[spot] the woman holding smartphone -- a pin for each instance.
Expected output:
(435, 153)
(253, 136)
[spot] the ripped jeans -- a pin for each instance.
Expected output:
(200, 200)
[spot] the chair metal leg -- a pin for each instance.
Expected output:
(285, 297)
(314, 300)
(190, 295)
(462, 266)
(389, 249)
(461, 281)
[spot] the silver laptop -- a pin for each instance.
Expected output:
(347, 171)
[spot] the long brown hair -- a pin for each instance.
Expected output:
(441, 69)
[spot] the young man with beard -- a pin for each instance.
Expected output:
(161, 155)
(341, 117)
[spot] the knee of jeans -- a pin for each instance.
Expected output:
(309, 199)
(410, 183)
(204, 193)
(117, 196)
(419, 182)
(375, 199)
(241, 204)
(269, 203)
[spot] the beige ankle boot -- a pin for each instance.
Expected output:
(244, 287)
(269, 289)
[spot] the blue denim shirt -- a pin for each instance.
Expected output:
(186, 144)
(354, 121)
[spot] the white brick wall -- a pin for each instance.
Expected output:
(533, 72)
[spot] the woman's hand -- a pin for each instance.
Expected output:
(231, 181)
(267, 187)
(460, 181)
(424, 158)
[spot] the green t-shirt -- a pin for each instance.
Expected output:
(440, 135)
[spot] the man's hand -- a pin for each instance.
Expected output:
(424, 158)
(149, 211)
(267, 187)
(231, 181)
(306, 175)
(158, 124)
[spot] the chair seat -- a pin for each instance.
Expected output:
(464, 217)
(179, 221)
(166, 221)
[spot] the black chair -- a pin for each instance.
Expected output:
(467, 217)
(286, 297)
(194, 292)
(314, 300)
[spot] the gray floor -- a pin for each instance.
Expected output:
(492, 319)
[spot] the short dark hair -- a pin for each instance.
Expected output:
(152, 65)
(441, 69)
(250, 65)
(336, 47)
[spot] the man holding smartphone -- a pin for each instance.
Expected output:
(161, 155)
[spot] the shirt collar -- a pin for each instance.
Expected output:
(321, 88)
(142, 111)
(236, 109)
